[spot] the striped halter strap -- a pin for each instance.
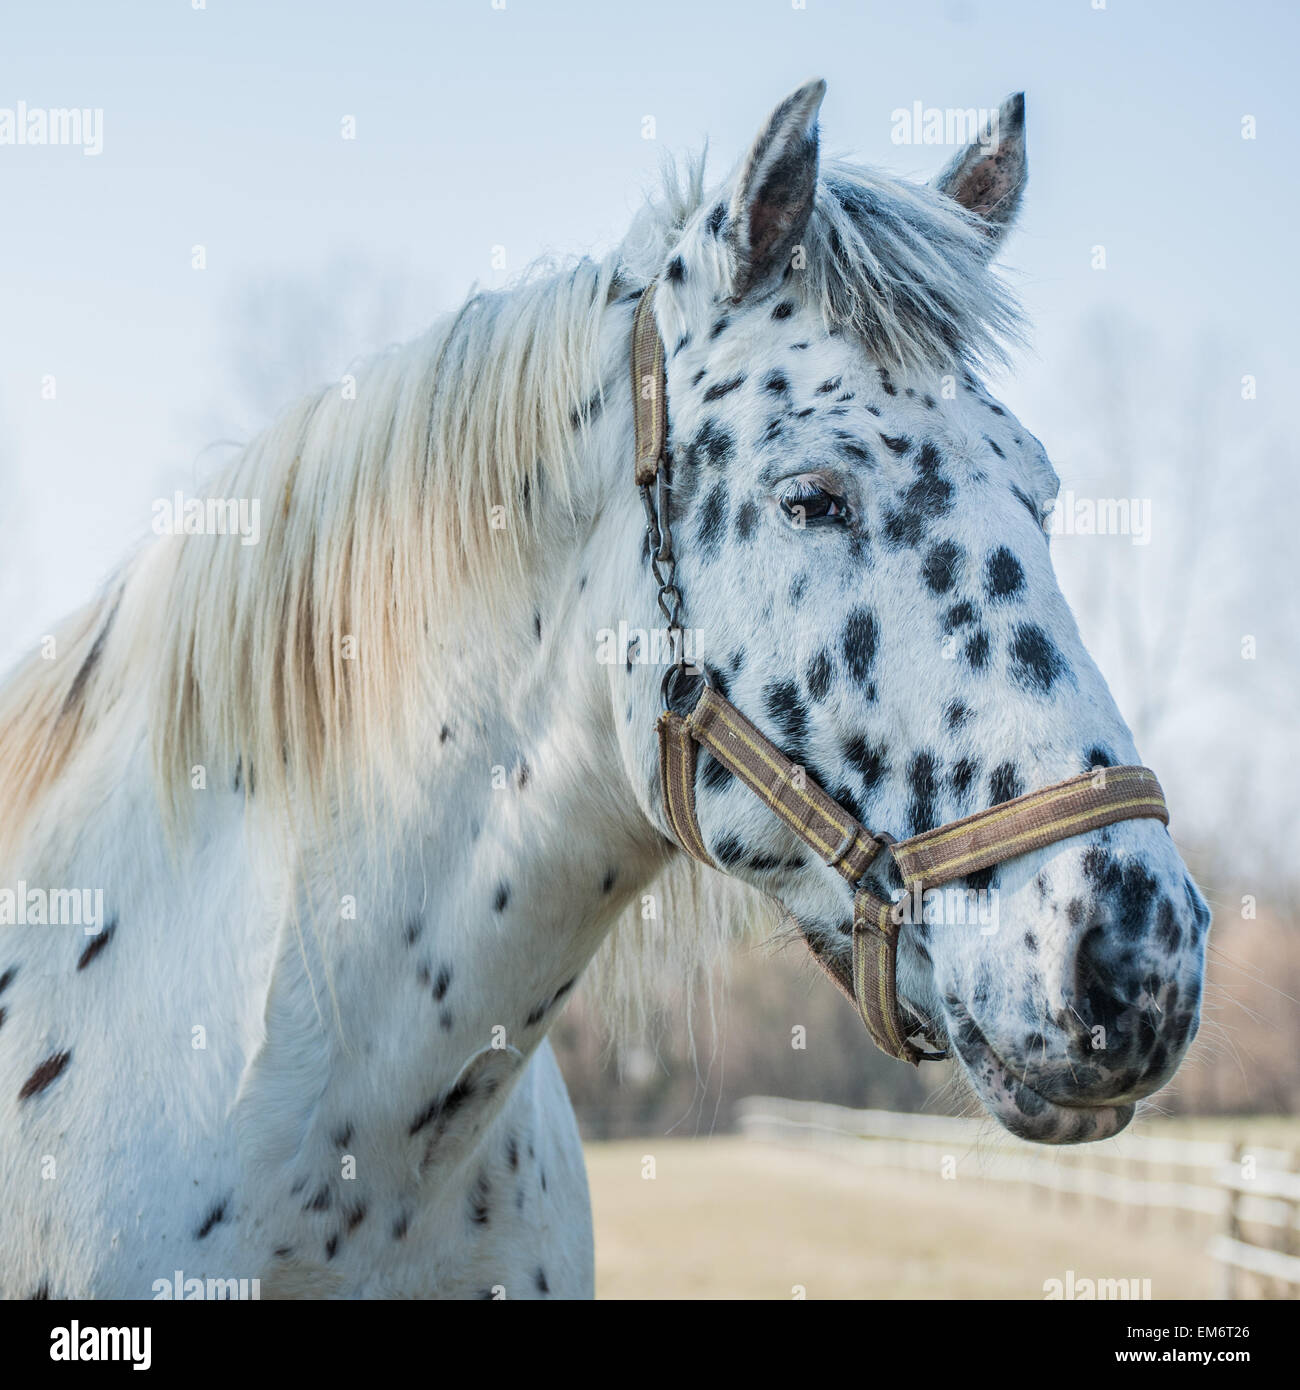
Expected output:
(1073, 807)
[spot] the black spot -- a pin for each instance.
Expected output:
(682, 344)
(977, 649)
(993, 444)
(442, 1106)
(818, 675)
(332, 1246)
(322, 1201)
(8, 978)
(718, 328)
(42, 1293)
(512, 1153)
(713, 521)
(714, 774)
(1035, 662)
(886, 382)
(1031, 943)
(798, 587)
(1168, 933)
(502, 897)
(537, 624)
(1004, 784)
(480, 1198)
(861, 634)
(783, 310)
(925, 786)
(1003, 576)
(676, 271)
(959, 615)
(963, 774)
(869, 760)
(414, 930)
(716, 218)
(728, 852)
(540, 1280)
(746, 519)
(522, 774)
(764, 863)
(97, 945)
(216, 1215)
(343, 1137)
(442, 984)
(827, 387)
(776, 381)
(956, 714)
(1098, 756)
(851, 449)
(1137, 893)
(943, 566)
(785, 708)
(354, 1216)
(898, 443)
(607, 883)
(723, 388)
(45, 1075)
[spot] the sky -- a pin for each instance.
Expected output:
(483, 132)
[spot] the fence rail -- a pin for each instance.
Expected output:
(1189, 1179)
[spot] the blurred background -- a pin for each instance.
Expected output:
(282, 190)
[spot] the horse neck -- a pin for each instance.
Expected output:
(458, 930)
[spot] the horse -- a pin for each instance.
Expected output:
(306, 841)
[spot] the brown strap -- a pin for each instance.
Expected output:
(649, 390)
(677, 783)
(875, 958)
(822, 824)
(1073, 807)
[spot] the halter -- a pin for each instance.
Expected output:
(951, 851)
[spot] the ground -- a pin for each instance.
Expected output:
(732, 1218)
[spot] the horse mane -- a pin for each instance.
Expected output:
(376, 495)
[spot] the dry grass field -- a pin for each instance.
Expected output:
(731, 1218)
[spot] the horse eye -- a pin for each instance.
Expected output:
(807, 503)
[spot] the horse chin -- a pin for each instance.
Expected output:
(1015, 1105)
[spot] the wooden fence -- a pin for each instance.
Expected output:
(1246, 1197)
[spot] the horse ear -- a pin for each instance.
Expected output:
(774, 191)
(988, 176)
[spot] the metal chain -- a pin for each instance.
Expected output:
(663, 564)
